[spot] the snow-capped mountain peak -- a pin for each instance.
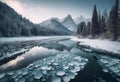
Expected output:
(55, 25)
(81, 19)
(69, 23)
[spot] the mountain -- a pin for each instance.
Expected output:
(81, 19)
(54, 24)
(69, 23)
(12, 24)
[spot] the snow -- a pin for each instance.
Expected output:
(81, 19)
(100, 44)
(11, 39)
(69, 23)
(54, 25)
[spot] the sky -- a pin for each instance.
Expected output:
(40, 10)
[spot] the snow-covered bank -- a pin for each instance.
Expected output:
(106, 45)
(11, 39)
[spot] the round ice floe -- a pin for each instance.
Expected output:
(78, 58)
(55, 63)
(66, 67)
(77, 63)
(38, 76)
(25, 73)
(115, 69)
(49, 63)
(82, 63)
(73, 71)
(46, 67)
(60, 73)
(44, 72)
(19, 71)
(105, 70)
(103, 61)
(15, 75)
(72, 76)
(2, 75)
(52, 61)
(36, 66)
(31, 80)
(71, 63)
(77, 69)
(21, 80)
(10, 73)
(56, 79)
(66, 78)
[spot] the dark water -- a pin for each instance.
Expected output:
(93, 71)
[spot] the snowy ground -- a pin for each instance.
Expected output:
(100, 44)
(4, 39)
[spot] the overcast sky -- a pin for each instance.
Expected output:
(39, 10)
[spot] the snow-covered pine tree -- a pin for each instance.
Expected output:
(89, 28)
(118, 21)
(103, 22)
(112, 32)
(95, 28)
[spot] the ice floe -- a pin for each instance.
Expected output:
(60, 73)
(62, 67)
(110, 64)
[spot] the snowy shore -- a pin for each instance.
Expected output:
(104, 45)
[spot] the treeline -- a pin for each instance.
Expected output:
(12, 24)
(102, 25)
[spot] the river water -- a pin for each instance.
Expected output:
(91, 72)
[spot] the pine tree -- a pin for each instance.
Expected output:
(95, 28)
(78, 29)
(113, 21)
(118, 26)
(104, 21)
(89, 28)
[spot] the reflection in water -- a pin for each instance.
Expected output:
(12, 62)
(32, 55)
